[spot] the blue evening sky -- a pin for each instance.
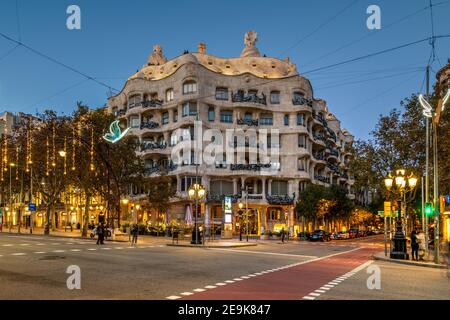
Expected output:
(117, 36)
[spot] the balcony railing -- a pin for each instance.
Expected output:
(319, 137)
(299, 101)
(322, 178)
(248, 122)
(120, 112)
(153, 103)
(321, 119)
(149, 125)
(249, 167)
(332, 134)
(251, 97)
(319, 156)
(151, 145)
(160, 168)
(280, 199)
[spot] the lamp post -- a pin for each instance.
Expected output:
(435, 116)
(196, 192)
(402, 184)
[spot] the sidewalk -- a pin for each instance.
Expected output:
(124, 237)
(421, 263)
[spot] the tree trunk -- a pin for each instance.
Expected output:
(48, 220)
(86, 217)
(19, 213)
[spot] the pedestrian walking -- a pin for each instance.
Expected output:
(134, 232)
(283, 235)
(100, 233)
(414, 246)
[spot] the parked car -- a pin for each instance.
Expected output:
(320, 235)
(354, 233)
(343, 235)
(362, 233)
(304, 235)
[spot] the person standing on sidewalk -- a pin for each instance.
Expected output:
(134, 232)
(414, 246)
(100, 233)
(283, 235)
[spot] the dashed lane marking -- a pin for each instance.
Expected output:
(173, 297)
(19, 254)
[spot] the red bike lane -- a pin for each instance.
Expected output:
(292, 283)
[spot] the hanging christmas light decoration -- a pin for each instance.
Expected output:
(17, 162)
(73, 149)
(65, 155)
(54, 147)
(92, 167)
(47, 167)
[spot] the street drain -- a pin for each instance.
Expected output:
(52, 258)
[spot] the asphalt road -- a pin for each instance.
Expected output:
(34, 267)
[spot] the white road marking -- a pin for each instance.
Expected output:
(75, 250)
(230, 281)
(58, 251)
(7, 245)
(308, 298)
(237, 279)
(320, 291)
(40, 252)
(210, 287)
(221, 284)
(92, 249)
(186, 293)
(324, 288)
(314, 294)
(19, 254)
(199, 290)
(266, 253)
(106, 248)
(173, 297)
(24, 244)
(329, 286)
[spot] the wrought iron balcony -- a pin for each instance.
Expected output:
(249, 167)
(319, 156)
(149, 125)
(251, 97)
(160, 168)
(280, 199)
(319, 137)
(299, 101)
(332, 134)
(321, 119)
(153, 103)
(248, 122)
(151, 145)
(120, 112)
(322, 178)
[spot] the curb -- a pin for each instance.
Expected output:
(410, 263)
(211, 246)
(55, 236)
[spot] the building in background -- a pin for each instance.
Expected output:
(161, 102)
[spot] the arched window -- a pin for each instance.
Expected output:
(189, 87)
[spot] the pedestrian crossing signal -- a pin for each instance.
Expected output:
(428, 209)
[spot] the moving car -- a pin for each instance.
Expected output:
(320, 235)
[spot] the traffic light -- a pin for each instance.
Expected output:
(428, 209)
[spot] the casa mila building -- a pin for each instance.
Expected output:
(163, 100)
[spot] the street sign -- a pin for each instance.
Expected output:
(32, 207)
(387, 208)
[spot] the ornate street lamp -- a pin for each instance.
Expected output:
(196, 192)
(402, 184)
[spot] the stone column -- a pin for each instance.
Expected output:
(235, 186)
(269, 187)
(264, 189)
